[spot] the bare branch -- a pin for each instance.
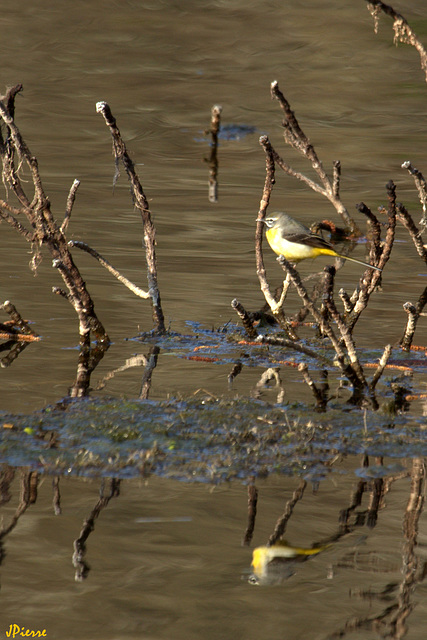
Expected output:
(69, 206)
(261, 271)
(345, 332)
(246, 321)
(371, 279)
(141, 203)
(414, 312)
(421, 185)
(17, 319)
(336, 179)
(319, 394)
(295, 137)
(38, 213)
(406, 219)
(85, 247)
(213, 159)
(299, 176)
(13, 222)
(381, 366)
(402, 31)
(296, 346)
(374, 233)
(24, 153)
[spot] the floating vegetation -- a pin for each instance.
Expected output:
(203, 439)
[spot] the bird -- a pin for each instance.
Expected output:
(295, 242)
(278, 562)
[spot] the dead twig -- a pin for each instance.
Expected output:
(141, 203)
(252, 508)
(406, 219)
(371, 278)
(213, 158)
(402, 31)
(296, 346)
(374, 233)
(296, 138)
(282, 522)
(320, 395)
(37, 210)
(275, 307)
(85, 247)
(414, 312)
(350, 372)
(246, 321)
(69, 206)
(381, 366)
(421, 185)
(345, 332)
(18, 321)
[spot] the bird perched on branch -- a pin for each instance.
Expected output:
(295, 242)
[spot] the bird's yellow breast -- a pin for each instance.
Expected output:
(292, 251)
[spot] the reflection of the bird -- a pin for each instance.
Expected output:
(276, 563)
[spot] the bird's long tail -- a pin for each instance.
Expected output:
(365, 264)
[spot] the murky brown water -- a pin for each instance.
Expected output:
(161, 65)
(166, 560)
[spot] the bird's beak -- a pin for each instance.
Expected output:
(259, 220)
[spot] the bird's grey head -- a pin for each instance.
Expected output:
(276, 217)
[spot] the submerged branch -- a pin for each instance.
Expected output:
(246, 321)
(381, 366)
(296, 346)
(320, 395)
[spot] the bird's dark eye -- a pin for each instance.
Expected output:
(269, 222)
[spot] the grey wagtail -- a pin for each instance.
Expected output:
(295, 242)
